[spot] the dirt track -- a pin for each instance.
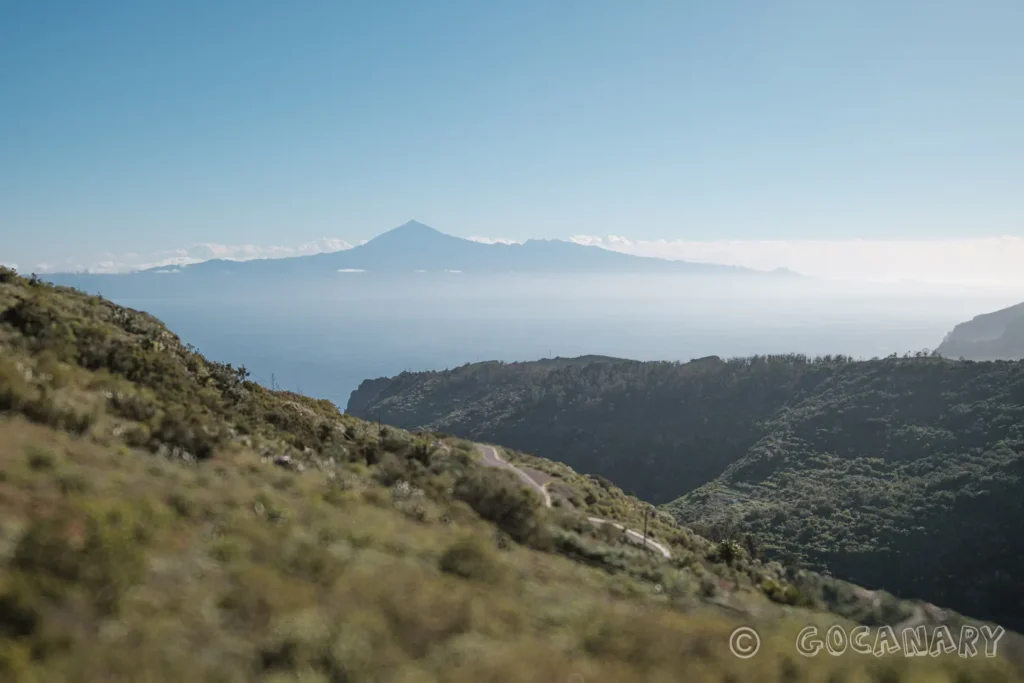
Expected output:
(538, 481)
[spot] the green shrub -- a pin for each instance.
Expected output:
(182, 504)
(498, 497)
(42, 409)
(15, 662)
(98, 552)
(190, 430)
(470, 558)
(785, 593)
(421, 451)
(297, 641)
(377, 496)
(395, 443)
(390, 469)
(9, 275)
(15, 391)
(371, 453)
(726, 552)
(73, 482)
(609, 533)
(18, 617)
(36, 319)
(131, 406)
(39, 458)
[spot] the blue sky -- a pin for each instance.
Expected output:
(142, 127)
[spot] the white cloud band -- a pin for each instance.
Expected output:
(971, 261)
(196, 253)
(492, 240)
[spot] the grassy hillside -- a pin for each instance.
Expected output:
(162, 518)
(902, 473)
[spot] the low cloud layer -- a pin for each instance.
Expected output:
(493, 240)
(196, 253)
(989, 261)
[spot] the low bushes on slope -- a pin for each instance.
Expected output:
(199, 527)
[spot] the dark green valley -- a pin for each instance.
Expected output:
(902, 473)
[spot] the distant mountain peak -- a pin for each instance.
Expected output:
(415, 226)
(411, 230)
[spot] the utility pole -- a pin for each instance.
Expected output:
(379, 432)
(647, 509)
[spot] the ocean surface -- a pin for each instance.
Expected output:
(324, 340)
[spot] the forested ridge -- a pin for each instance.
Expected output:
(902, 472)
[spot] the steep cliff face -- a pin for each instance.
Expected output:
(992, 336)
(366, 395)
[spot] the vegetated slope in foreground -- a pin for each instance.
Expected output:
(902, 473)
(993, 336)
(164, 519)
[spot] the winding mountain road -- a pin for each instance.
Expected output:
(491, 458)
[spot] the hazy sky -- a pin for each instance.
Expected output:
(134, 131)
